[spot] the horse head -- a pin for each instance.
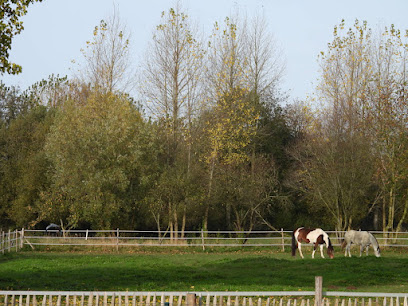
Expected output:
(330, 249)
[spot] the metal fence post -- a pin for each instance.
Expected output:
(318, 291)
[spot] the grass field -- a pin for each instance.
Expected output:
(178, 270)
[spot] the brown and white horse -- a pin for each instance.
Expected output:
(313, 236)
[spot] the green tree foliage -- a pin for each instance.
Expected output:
(94, 150)
(353, 155)
(24, 165)
(24, 126)
(170, 85)
(387, 106)
(214, 154)
(335, 165)
(12, 103)
(52, 92)
(11, 12)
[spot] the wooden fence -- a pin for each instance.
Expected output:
(197, 299)
(15, 240)
(11, 241)
(200, 239)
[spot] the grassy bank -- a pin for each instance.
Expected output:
(200, 271)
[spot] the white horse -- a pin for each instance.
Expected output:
(362, 238)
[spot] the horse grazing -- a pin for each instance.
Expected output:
(313, 236)
(364, 239)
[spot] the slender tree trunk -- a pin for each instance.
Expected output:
(157, 219)
(175, 224)
(171, 223)
(384, 219)
(183, 225)
(404, 215)
(210, 186)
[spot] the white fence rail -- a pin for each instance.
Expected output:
(288, 298)
(203, 239)
(11, 241)
(15, 240)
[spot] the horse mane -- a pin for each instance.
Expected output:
(330, 244)
(373, 239)
(330, 248)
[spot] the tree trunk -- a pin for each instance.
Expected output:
(175, 224)
(210, 185)
(404, 215)
(183, 224)
(171, 223)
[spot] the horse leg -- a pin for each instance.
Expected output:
(321, 250)
(300, 249)
(348, 246)
(361, 250)
(367, 246)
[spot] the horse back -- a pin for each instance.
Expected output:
(308, 235)
(357, 237)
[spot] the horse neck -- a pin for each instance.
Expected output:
(373, 241)
(327, 240)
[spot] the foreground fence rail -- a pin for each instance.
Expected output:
(286, 298)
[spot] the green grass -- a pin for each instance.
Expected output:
(177, 270)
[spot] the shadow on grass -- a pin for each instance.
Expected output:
(199, 272)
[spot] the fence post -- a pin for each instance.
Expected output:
(16, 239)
(283, 241)
(9, 241)
(117, 239)
(202, 238)
(3, 243)
(191, 299)
(318, 290)
(22, 238)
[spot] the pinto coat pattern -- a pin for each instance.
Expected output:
(317, 236)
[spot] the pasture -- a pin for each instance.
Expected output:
(194, 270)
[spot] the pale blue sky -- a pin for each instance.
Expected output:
(56, 30)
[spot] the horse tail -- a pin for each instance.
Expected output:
(294, 244)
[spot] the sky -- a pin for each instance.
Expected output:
(56, 30)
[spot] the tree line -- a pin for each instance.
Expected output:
(210, 141)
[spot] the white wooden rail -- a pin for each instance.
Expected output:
(15, 240)
(11, 241)
(118, 238)
(288, 298)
